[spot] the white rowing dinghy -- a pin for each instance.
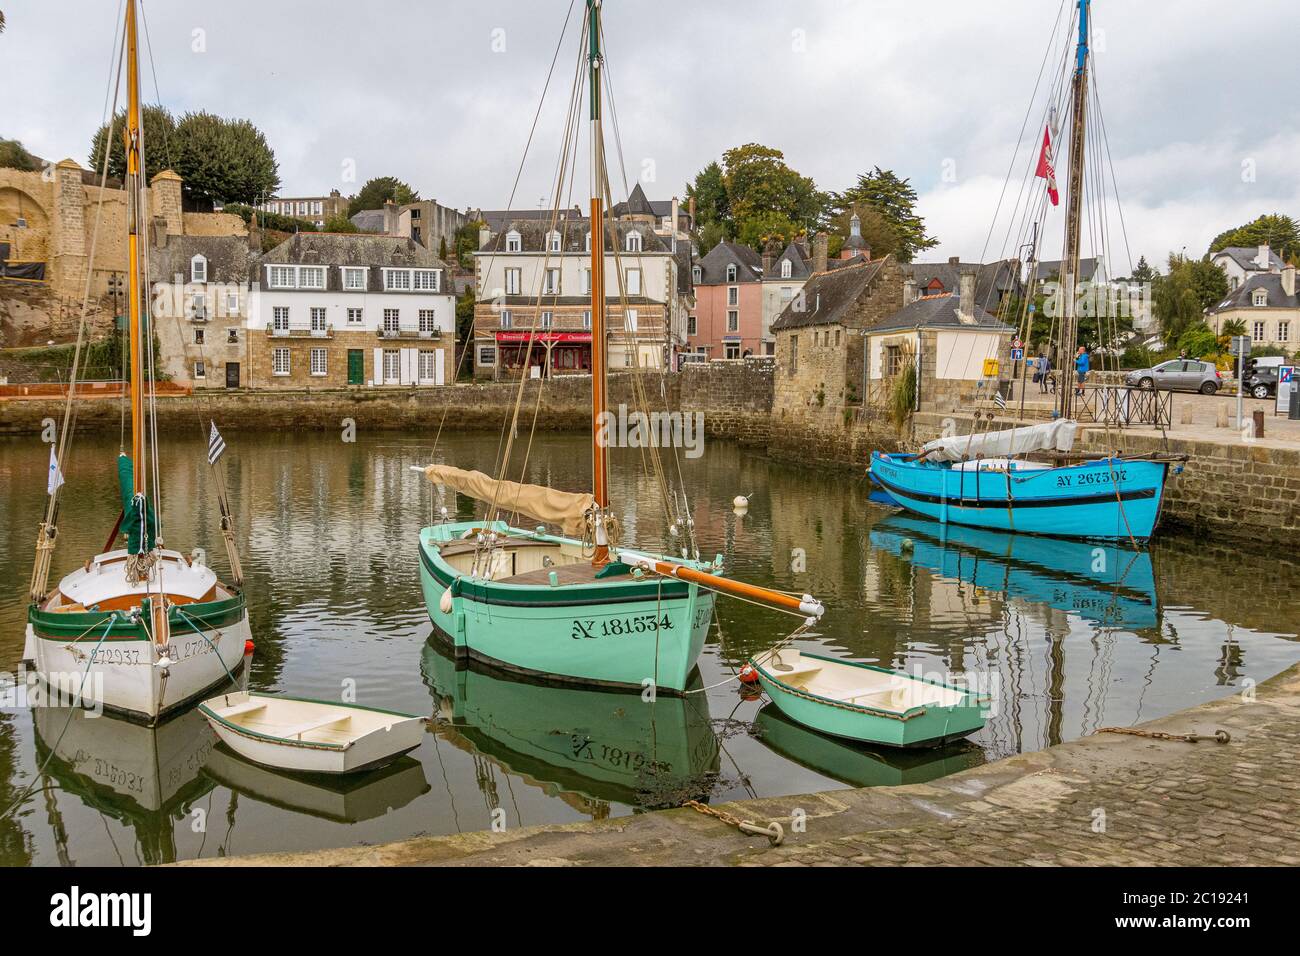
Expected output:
(291, 733)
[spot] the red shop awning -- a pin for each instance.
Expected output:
(544, 337)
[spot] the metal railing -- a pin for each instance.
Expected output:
(298, 331)
(1120, 405)
(406, 332)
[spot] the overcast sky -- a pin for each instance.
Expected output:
(1201, 99)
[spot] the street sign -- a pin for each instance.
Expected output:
(1017, 355)
(990, 368)
(1288, 389)
(1240, 345)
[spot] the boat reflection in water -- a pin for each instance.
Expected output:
(590, 746)
(349, 798)
(855, 764)
(148, 778)
(1104, 583)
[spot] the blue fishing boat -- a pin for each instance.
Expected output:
(1112, 498)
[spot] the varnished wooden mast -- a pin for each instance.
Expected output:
(599, 479)
(1073, 211)
(135, 196)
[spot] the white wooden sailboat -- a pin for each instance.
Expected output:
(141, 631)
(311, 736)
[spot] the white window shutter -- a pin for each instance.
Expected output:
(438, 378)
(378, 377)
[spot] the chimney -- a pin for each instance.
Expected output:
(1288, 279)
(820, 242)
(1264, 258)
(909, 291)
(954, 260)
(966, 301)
(677, 211)
(390, 218)
(690, 209)
(484, 236)
(771, 250)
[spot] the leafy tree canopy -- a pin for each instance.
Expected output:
(894, 199)
(159, 143)
(1180, 297)
(467, 242)
(1280, 232)
(340, 223)
(380, 190)
(767, 199)
(15, 156)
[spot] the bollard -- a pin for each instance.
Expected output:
(1259, 422)
(1187, 414)
(1221, 416)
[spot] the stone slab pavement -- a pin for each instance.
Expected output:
(1108, 799)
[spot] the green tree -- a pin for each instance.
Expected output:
(1181, 297)
(880, 235)
(224, 159)
(467, 242)
(159, 143)
(15, 156)
(380, 190)
(766, 198)
(340, 223)
(709, 191)
(895, 200)
(465, 331)
(1143, 272)
(1280, 232)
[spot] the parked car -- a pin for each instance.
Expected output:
(1183, 375)
(1261, 382)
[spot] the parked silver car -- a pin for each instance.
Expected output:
(1183, 375)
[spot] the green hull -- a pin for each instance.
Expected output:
(928, 726)
(620, 631)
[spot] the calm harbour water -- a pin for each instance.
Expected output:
(1067, 638)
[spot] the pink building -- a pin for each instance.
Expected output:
(727, 322)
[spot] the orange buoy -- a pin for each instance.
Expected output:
(748, 674)
(248, 648)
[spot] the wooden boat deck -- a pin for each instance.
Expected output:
(467, 546)
(580, 572)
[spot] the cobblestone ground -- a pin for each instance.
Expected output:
(1110, 799)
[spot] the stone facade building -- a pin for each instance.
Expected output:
(200, 288)
(820, 346)
(330, 310)
(428, 222)
(1268, 304)
(784, 275)
(317, 209)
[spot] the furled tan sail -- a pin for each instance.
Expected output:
(563, 508)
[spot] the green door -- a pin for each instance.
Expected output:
(356, 366)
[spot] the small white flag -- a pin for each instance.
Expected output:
(56, 475)
(216, 445)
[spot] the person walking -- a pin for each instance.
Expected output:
(1081, 368)
(1044, 366)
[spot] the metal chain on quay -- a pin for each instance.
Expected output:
(774, 832)
(1222, 736)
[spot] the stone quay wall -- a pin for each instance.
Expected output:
(735, 397)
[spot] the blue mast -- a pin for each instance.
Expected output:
(1085, 7)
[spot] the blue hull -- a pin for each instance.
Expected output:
(1110, 499)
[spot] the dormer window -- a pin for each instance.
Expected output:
(731, 272)
(553, 241)
(697, 275)
(785, 268)
(513, 242)
(634, 241)
(587, 246)
(1260, 297)
(198, 269)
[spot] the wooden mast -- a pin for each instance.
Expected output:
(599, 479)
(1073, 214)
(135, 195)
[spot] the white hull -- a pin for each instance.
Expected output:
(125, 676)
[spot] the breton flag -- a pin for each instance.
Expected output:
(1045, 168)
(56, 474)
(216, 445)
(998, 400)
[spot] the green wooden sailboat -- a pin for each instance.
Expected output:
(578, 605)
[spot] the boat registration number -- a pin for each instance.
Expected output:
(591, 629)
(1091, 478)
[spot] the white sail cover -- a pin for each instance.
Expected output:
(563, 508)
(1049, 436)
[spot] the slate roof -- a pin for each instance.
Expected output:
(992, 279)
(636, 204)
(937, 311)
(1242, 297)
(1051, 269)
(1247, 257)
(713, 267)
(498, 220)
(827, 296)
(800, 268)
(229, 258)
(352, 249)
(573, 236)
(369, 220)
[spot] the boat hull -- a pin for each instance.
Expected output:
(122, 673)
(621, 632)
(1112, 499)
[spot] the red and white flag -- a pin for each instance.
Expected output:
(1045, 168)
